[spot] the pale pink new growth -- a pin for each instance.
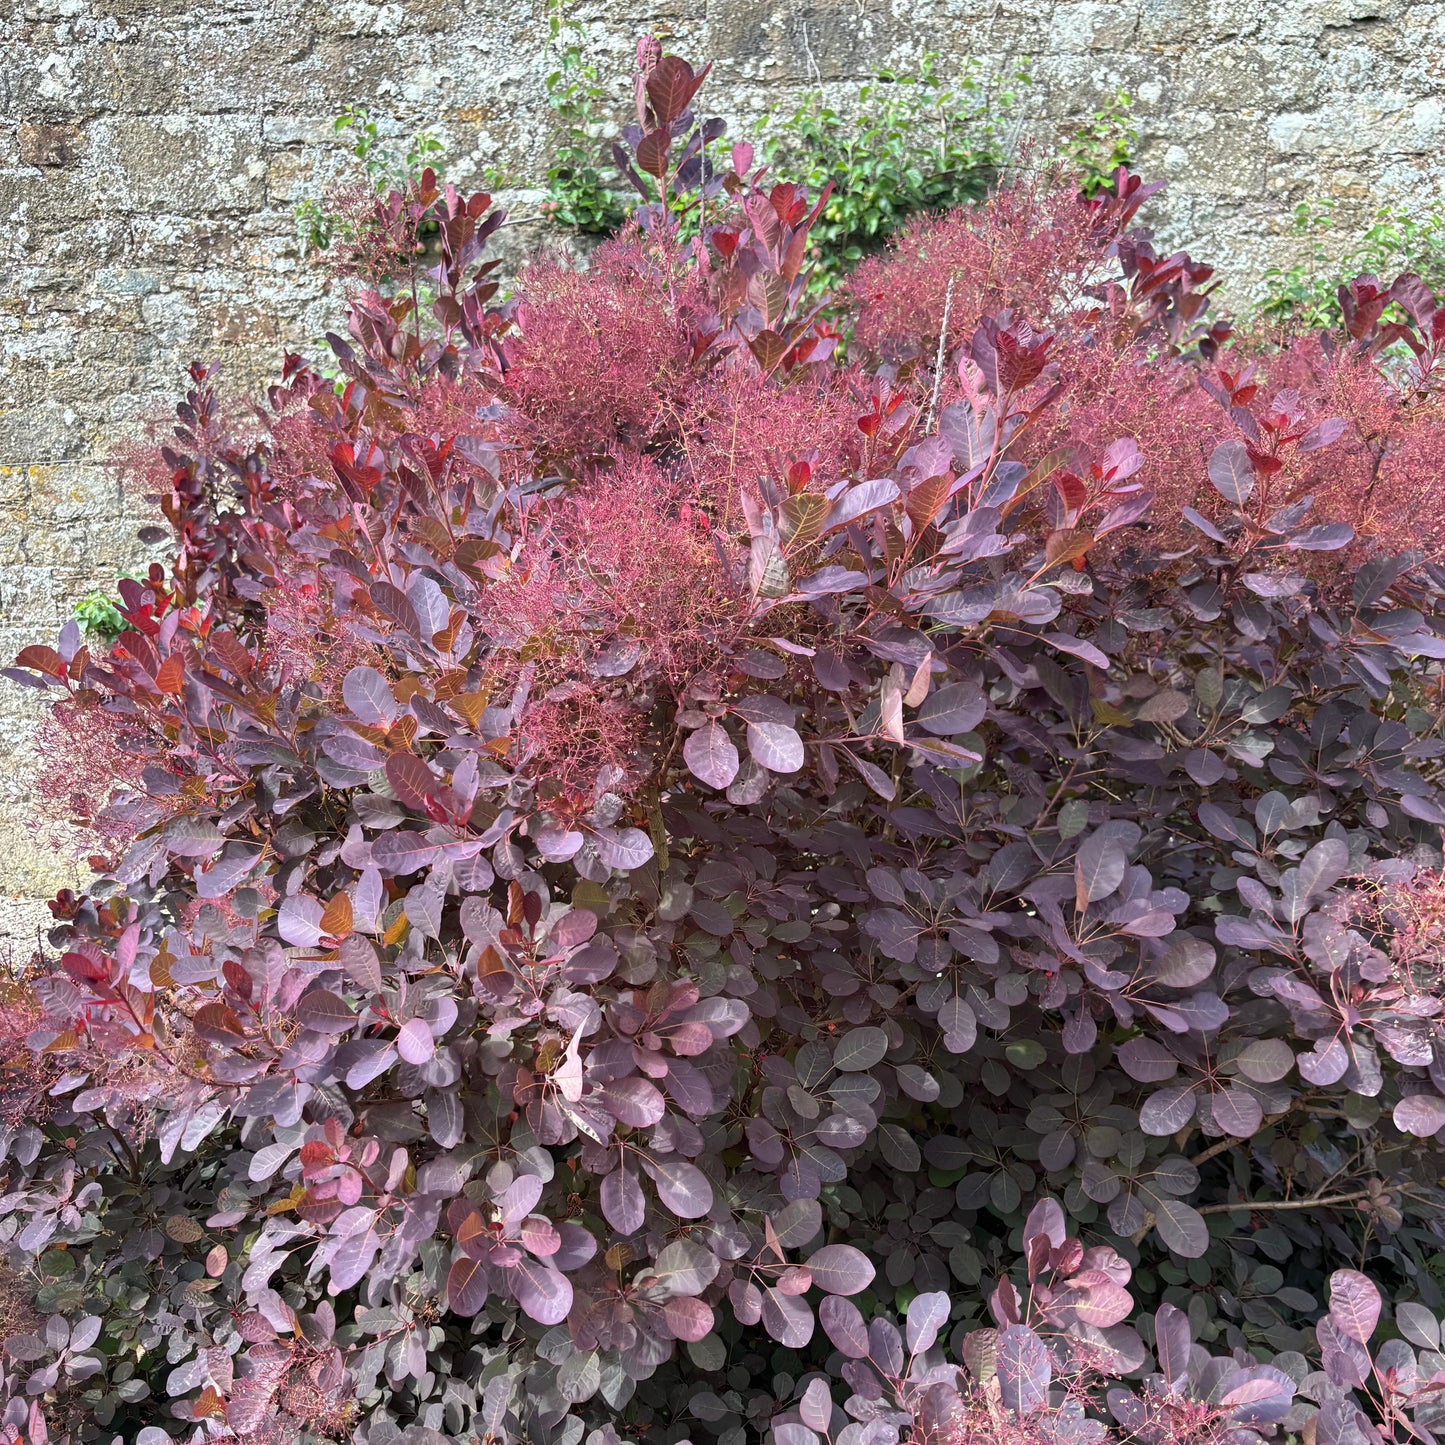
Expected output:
(89, 755)
(1032, 247)
(629, 566)
(603, 353)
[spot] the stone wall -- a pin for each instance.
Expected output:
(152, 153)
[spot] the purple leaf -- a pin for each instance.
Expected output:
(683, 1267)
(790, 1432)
(857, 501)
(787, 1318)
(816, 1405)
(399, 852)
(1099, 866)
(624, 848)
(1202, 524)
(840, 1269)
(958, 708)
(775, 746)
(324, 1012)
(574, 928)
(927, 1314)
(361, 964)
(466, 1287)
(633, 1102)
(1167, 1111)
(1327, 537)
(1045, 1221)
(711, 755)
(1422, 1115)
(1181, 1227)
(1232, 472)
(353, 1259)
(1077, 647)
(1354, 1304)
(368, 694)
(682, 1187)
(1237, 1112)
(1325, 434)
(843, 1324)
(860, 1049)
(1172, 1344)
(414, 1041)
(299, 921)
(623, 1205)
(1024, 1370)
(544, 1294)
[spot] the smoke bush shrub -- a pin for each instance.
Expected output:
(892, 929)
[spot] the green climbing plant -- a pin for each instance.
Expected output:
(582, 189)
(386, 168)
(909, 143)
(99, 616)
(1105, 141)
(1305, 294)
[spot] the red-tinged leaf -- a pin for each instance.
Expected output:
(652, 153)
(1172, 1342)
(925, 501)
(466, 1286)
(1066, 545)
(573, 929)
(336, 917)
(1071, 489)
(688, 1319)
(410, 780)
(171, 677)
(769, 348)
(233, 653)
(84, 969)
(41, 659)
(671, 87)
(217, 1024)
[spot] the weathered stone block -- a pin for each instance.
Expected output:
(51, 144)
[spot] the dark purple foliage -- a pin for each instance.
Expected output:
(890, 954)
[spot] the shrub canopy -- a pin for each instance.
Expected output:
(687, 866)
